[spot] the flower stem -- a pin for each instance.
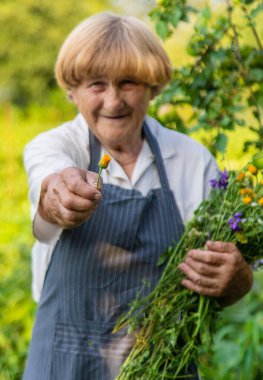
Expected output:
(98, 177)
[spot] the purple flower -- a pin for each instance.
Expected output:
(222, 181)
(234, 225)
(235, 222)
(213, 183)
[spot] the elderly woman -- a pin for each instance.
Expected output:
(96, 247)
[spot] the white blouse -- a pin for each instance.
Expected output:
(189, 167)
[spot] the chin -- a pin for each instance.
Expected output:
(113, 131)
(114, 138)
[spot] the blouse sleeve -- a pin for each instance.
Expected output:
(51, 152)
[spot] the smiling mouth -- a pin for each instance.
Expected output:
(114, 117)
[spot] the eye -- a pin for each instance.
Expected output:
(97, 85)
(128, 84)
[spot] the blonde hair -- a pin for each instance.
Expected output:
(113, 46)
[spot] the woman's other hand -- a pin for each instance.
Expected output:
(70, 197)
(218, 271)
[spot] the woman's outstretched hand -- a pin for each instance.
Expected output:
(70, 197)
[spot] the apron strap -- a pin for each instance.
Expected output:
(94, 152)
(152, 141)
(154, 146)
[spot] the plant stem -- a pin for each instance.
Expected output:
(98, 177)
(242, 69)
(250, 22)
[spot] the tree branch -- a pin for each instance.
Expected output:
(250, 21)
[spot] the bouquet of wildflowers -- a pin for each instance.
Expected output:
(172, 322)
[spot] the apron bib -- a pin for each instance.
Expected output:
(96, 270)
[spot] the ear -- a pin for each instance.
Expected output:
(154, 92)
(72, 95)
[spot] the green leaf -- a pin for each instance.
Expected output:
(248, 364)
(258, 160)
(229, 354)
(257, 10)
(226, 122)
(162, 29)
(221, 142)
(205, 14)
(241, 122)
(247, 2)
(175, 17)
(256, 75)
(259, 97)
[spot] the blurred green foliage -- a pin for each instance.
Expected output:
(223, 81)
(18, 126)
(31, 34)
(238, 350)
(16, 306)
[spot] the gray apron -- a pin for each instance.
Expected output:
(96, 270)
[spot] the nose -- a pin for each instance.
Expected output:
(113, 101)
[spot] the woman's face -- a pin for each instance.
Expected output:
(113, 111)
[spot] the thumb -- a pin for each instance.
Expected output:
(92, 179)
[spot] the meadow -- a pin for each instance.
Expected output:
(238, 352)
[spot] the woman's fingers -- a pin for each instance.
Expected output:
(218, 271)
(67, 198)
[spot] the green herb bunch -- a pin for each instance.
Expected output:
(172, 322)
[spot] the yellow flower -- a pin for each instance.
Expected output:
(240, 176)
(104, 162)
(260, 201)
(247, 199)
(241, 237)
(246, 190)
(252, 169)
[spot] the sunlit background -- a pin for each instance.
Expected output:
(31, 33)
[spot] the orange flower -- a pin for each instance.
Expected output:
(252, 169)
(240, 176)
(247, 199)
(260, 201)
(104, 162)
(246, 190)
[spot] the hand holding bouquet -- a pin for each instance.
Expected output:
(172, 322)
